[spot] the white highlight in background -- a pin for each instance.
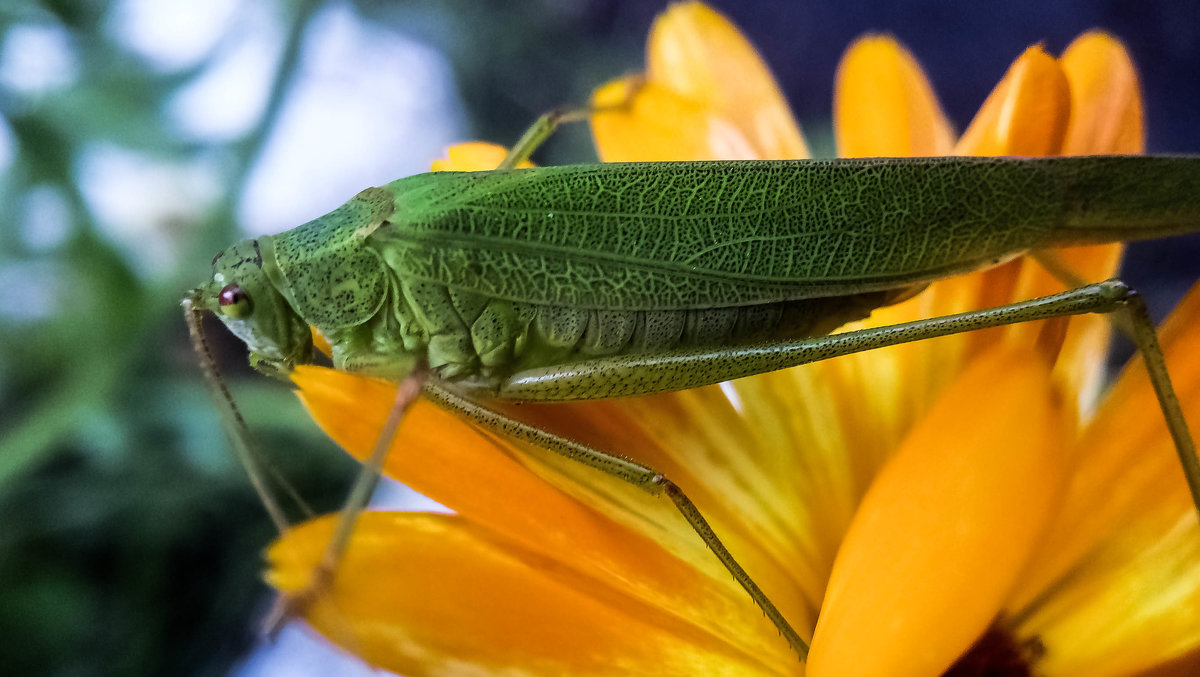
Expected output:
(176, 34)
(370, 106)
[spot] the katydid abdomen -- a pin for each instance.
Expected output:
(483, 274)
(479, 340)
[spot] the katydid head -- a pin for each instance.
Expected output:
(242, 294)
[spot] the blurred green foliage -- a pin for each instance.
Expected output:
(130, 542)
(130, 539)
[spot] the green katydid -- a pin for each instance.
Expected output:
(610, 280)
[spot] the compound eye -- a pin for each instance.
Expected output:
(234, 301)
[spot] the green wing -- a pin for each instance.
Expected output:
(643, 236)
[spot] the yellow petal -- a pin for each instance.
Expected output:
(1106, 101)
(697, 53)
(1026, 114)
(603, 527)
(1132, 605)
(706, 96)
(746, 467)
(474, 156)
(424, 594)
(659, 125)
(883, 104)
(1081, 350)
(946, 528)
(1185, 666)
(905, 380)
(320, 342)
(1122, 554)
(1106, 117)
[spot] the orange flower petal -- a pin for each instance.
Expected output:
(1123, 554)
(1132, 604)
(1008, 123)
(619, 534)
(1106, 117)
(320, 342)
(1106, 101)
(706, 96)
(1184, 666)
(474, 156)
(1026, 114)
(1127, 477)
(898, 385)
(425, 594)
(821, 432)
(658, 125)
(883, 104)
(764, 460)
(947, 526)
(698, 54)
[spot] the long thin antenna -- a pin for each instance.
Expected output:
(231, 418)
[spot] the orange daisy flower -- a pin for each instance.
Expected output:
(962, 501)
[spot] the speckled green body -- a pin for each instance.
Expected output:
(487, 274)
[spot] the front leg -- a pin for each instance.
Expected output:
(355, 350)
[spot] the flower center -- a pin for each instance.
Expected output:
(997, 654)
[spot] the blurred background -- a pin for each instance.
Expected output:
(139, 137)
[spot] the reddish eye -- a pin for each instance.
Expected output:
(234, 301)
